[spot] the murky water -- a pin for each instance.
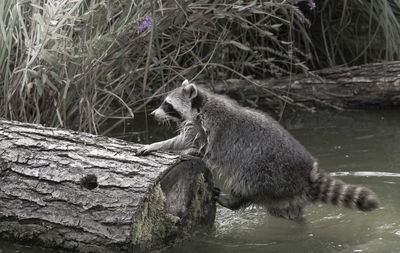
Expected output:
(358, 147)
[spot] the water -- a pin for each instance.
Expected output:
(358, 147)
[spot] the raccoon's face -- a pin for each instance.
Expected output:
(178, 105)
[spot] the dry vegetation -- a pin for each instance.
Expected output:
(81, 64)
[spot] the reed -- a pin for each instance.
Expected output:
(85, 63)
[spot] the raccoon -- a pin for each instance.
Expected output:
(261, 162)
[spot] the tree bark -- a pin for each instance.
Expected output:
(367, 86)
(86, 193)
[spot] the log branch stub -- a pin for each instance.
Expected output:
(86, 193)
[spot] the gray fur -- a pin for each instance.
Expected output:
(262, 163)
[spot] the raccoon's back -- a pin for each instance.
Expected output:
(256, 153)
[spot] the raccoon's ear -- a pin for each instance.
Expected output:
(190, 90)
(186, 82)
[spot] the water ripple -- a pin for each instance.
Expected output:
(364, 174)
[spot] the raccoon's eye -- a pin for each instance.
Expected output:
(167, 107)
(170, 110)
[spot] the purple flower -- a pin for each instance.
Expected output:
(312, 5)
(301, 16)
(147, 22)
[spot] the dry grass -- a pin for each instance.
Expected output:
(355, 32)
(81, 64)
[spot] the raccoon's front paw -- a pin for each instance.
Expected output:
(191, 152)
(145, 150)
(216, 192)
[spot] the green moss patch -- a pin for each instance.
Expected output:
(152, 225)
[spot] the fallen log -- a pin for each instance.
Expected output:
(366, 86)
(86, 193)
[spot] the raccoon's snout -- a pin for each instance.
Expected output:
(160, 115)
(157, 114)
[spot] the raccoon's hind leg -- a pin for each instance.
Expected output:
(232, 201)
(293, 211)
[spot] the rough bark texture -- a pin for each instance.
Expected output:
(87, 193)
(372, 85)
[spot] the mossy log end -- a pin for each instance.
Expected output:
(76, 191)
(375, 85)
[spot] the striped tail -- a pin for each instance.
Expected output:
(331, 190)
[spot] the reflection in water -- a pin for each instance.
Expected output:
(357, 147)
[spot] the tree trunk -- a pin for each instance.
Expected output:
(87, 193)
(367, 86)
